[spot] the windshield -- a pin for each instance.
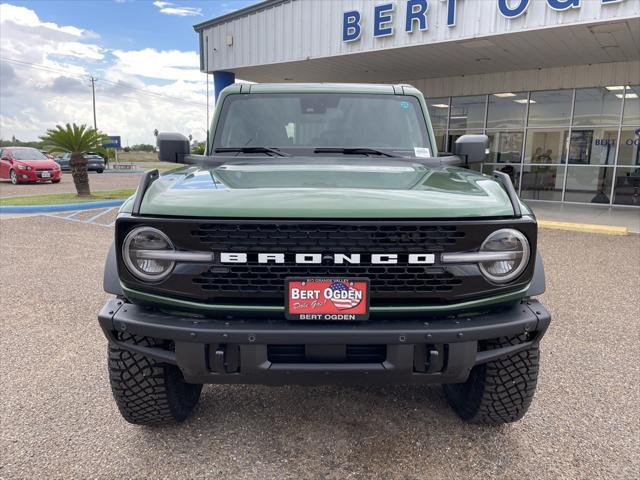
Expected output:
(27, 154)
(322, 120)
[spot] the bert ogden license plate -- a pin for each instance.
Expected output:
(327, 299)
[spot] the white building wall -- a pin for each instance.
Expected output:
(305, 29)
(573, 76)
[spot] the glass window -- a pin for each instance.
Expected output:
(551, 107)
(589, 184)
(629, 152)
(467, 112)
(546, 146)
(505, 147)
(338, 120)
(626, 186)
(597, 106)
(593, 146)
(542, 182)
(631, 106)
(513, 170)
(507, 110)
(438, 111)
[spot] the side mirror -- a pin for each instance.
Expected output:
(474, 147)
(172, 147)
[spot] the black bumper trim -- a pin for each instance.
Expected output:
(193, 337)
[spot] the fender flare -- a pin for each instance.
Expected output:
(111, 280)
(538, 283)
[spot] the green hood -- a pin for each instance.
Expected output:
(315, 188)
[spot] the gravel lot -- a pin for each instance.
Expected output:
(59, 421)
(98, 181)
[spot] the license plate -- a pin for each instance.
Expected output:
(46, 175)
(327, 299)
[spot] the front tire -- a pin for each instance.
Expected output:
(497, 392)
(99, 170)
(149, 392)
(14, 177)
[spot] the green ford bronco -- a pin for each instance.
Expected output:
(323, 239)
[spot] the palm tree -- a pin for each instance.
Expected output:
(76, 140)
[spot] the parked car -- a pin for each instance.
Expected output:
(95, 163)
(25, 164)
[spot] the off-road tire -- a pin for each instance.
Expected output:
(497, 392)
(149, 392)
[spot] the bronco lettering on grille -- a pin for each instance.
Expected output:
(328, 258)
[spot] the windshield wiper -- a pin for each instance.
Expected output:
(273, 151)
(355, 151)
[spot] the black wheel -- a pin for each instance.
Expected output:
(146, 391)
(500, 391)
(13, 177)
(99, 170)
(55, 181)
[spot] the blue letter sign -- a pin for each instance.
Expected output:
(451, 13)
(381, 21)
(351, 26)
(417, 11)
(561, 5)
(512, 12)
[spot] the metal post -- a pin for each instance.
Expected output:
(525, 134)
(618, 140)
(568, 146)
(93, 92)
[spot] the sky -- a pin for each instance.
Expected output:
(144, 55)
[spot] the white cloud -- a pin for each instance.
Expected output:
(166, 65)
(44, 69)
(169, 8)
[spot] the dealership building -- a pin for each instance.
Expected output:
(555, 84)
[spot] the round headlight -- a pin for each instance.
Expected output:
(516, 247)
(142, 252)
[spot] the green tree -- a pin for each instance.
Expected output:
(76, 140)
(198, 149)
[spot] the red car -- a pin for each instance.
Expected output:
(25, 164)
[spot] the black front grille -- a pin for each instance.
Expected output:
(269, 280)
(341, 238)
(390, 284)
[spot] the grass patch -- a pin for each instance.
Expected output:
(59, 198)
(137, 156)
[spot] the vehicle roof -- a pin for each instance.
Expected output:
(367, 88)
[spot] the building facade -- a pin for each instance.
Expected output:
(555, 84)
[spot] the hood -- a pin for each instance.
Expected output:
(321, 188)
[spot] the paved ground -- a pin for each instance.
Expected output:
(59, 421)
(97, 181)
(628, 217)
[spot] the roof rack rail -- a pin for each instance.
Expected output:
(506, 182)
(147, 179)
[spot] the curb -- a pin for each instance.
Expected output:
(124, 171)
(583, 227)
(63, 207)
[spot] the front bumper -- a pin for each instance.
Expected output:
(240, 351)
(36, 176)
